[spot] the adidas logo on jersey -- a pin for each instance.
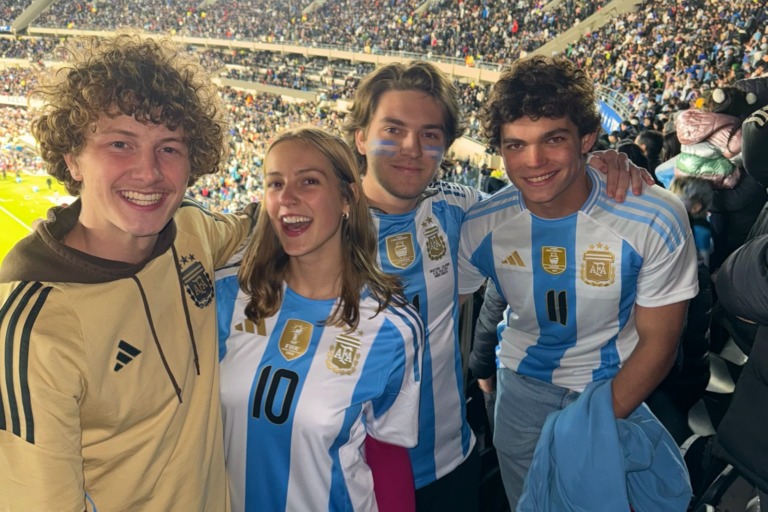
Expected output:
(125, 354)
(513, 259)
(250, 327)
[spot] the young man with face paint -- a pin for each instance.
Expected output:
(403, 120)
(597, 290)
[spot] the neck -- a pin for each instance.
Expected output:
(314, 280)
(379, 198)
(88, 241)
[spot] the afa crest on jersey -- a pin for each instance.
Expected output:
(197, 282)
(597, 266)
(436, 247)
(295, 338)
(344, 355)
(400, 250)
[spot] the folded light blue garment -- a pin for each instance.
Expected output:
(587, 460)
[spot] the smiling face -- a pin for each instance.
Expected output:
(545, 160)
(134, 176)
(304, 201)
(404, 146)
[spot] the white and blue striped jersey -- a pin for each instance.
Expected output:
(572, 283)
(421, 246)
(298, 399)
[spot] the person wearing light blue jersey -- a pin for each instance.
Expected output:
(596, 290)
(403, 119)
(318, 347)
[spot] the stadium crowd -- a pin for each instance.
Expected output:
(492, 31)
(656, 61)
(663, 59)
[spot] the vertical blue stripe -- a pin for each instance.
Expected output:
(631, 263)
(411, 318)
(226, 294)
(267, 469)
(388, 346)
(450, 219)
(415, 286)
(554, 338)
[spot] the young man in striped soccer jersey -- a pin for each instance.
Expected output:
(109, 388)
(596, 290)
(403, 120)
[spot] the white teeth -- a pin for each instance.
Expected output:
(295, 219)
(142, 199)
(541, 178)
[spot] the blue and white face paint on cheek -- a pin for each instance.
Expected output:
(434, 152)
(384, 148)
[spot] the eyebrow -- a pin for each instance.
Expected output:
(398, 122)
(129, 133)
(300, 171)
(544, 136)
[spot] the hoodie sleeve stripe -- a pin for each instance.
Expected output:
(16, 370)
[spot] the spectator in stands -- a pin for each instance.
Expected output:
(651, 142)
(739, 439)
(402, 121)
(331, 326)
(542, 117)
(688, 379)
(634, 152)
(715, 131)
(109, 364)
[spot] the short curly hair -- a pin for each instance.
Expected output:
(135, 74)
(536, 87)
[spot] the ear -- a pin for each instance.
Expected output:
(587, 141)
(360, 141)
(355, 192)
(696, 208)
(73, 166)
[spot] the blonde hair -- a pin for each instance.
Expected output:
(264, 265)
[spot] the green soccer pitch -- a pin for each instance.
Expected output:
(22, 203)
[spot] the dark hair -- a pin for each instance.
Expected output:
(653, 141)
(414, 76)
(537, 87)
(137, 75)
(634, 152)
(671, 146)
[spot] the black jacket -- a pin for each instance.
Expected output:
(482, 359)
(742, 287)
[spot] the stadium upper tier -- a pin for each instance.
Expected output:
(492, 31)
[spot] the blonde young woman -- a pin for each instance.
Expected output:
(318, 347)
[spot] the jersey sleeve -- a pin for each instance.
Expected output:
(394, 416)
(226, 233)
(41, 385)
(471, 276)
(670, 272)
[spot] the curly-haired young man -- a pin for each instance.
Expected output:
(597, 290)
(109, 393)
